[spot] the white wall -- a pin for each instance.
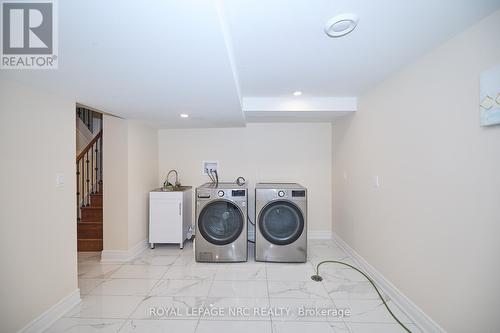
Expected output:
(130, 171)
(142, 178)
(115, 183)
(433, 227)
(275, 152)
(37, 219)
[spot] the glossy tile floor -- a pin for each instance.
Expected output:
(160, 290)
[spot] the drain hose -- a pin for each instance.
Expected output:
(318, 278)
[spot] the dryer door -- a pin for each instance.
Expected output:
(221, 222)
(281, 222)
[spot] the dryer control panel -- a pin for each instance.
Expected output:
(298, 193)
(284, 194)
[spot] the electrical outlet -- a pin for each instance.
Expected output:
(376, 181)
(209, 165)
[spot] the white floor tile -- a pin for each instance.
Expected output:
(350, 290)
(126, 287)
(256, 289)
(89, 257)
(302, 327)
(181, 288)
(327, 253)
(191, 272)
(381, 328)
(159, 326)
(228, 326)
(238, 272)
(154, 260)
(139, 272)
(370, 311)
(332, 272)
(289, 272)
(184, 260)
(292, 289)
(96, 270)
(238, 308)
(84, 325)
(87, 285)
(295, 305)
(159, 307)
(169, 278)
(105, 307)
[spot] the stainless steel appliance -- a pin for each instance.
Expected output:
(281, 222)
(221, 223)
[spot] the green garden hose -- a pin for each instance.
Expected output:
(318, 278)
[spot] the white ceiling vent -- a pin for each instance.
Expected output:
(341, 25)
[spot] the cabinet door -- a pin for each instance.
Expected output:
(165, 220)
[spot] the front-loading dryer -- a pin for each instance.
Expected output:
(221, 223)
(281, 222)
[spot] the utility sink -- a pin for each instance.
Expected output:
(173, 189)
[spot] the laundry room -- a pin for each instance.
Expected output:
(260, 152)
(221, 166)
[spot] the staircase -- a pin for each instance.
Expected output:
(89, 227)
(89, 187)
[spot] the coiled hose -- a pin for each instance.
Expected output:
(318, 278)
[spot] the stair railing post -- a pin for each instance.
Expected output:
(78, 190)
(87, 180)
(82, 203)
(100, 162)
(92, 170)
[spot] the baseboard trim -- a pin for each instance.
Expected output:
(124, 255)
(319, 234)
(46, 319)
(419, 317)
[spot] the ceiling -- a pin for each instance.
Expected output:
(229, 62)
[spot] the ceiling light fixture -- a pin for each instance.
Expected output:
(341, 25)
(184, 115)
(297, 93)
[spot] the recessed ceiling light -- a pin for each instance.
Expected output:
(341, 25)
(297, 93)
(184, 115)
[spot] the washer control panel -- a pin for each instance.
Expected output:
(281, 194)
(230, 193)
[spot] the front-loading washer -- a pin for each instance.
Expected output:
(221, 223)
(281, 222)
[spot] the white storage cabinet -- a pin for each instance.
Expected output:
(169, 216)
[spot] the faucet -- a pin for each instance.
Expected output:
(165, 184)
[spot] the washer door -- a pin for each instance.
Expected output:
(220, 222)
(281, 222)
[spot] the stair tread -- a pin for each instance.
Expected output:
(92, 207)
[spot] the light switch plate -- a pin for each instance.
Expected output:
(59, 179)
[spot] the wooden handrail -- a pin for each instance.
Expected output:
(87, 148)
